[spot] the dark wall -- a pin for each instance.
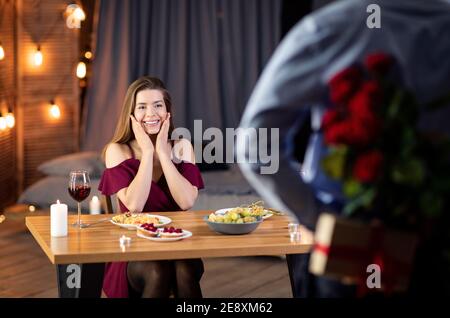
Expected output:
(292, 12)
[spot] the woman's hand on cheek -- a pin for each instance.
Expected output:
(163, 148)
(141, 136)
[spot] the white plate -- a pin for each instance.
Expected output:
(186, 234)
(223, 211)
(164, 220)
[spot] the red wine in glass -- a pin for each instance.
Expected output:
(80, 193)
(79, 189)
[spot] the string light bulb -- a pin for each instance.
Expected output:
(74, 14)
(10, 120)
(79, 14)
(81, 70)
(2, 52)
(88, 55)
(38, 58)
(55, 112)
(3, 123)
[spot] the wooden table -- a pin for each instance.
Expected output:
(91, 247)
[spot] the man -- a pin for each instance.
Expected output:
(294, 84)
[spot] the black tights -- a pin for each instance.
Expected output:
(157, 279)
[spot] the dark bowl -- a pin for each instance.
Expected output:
(233, 228)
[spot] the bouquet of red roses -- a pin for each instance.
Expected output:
(389, 169)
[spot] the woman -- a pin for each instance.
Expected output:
(140, 168)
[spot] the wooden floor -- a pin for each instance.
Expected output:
(25, 271)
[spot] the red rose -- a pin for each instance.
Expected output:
(372, 88)
(368, 166)
(362, 132)
(353, 132)
(364, 122)
(378, 63)
(361, 105)
(330, 117)
(339, 93)
(337, 133)
(352, 74)
(344, 83)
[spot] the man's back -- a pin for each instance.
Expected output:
(414, 32)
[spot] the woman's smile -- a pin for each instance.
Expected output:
(151, 123)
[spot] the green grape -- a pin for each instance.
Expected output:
(249, 219)
(246, 219)
(234, 216)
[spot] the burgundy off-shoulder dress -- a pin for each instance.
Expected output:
(115, 282)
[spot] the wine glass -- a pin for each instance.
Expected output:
(79, 189)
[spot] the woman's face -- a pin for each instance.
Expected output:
(150, 110)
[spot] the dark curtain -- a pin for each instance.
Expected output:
(209, 53)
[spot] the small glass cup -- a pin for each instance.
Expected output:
(293, 227)
(294, 232)
(295, 237)
(124, 242)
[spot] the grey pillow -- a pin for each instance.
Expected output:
(46, 191)
(61, 166)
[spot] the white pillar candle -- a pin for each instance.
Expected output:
(94, 205)
(58, 219)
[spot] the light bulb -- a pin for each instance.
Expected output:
(73, 15)
(38, 58)
(54, 111)
(88, 55)
(81, 70)
(10, 121)
(79, 14)
(2, 123)
(2, 52)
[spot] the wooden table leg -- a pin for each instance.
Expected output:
(298, 269)
(80, 280)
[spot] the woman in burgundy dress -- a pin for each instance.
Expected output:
(150, 173)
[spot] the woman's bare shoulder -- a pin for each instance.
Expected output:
(116, 154)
